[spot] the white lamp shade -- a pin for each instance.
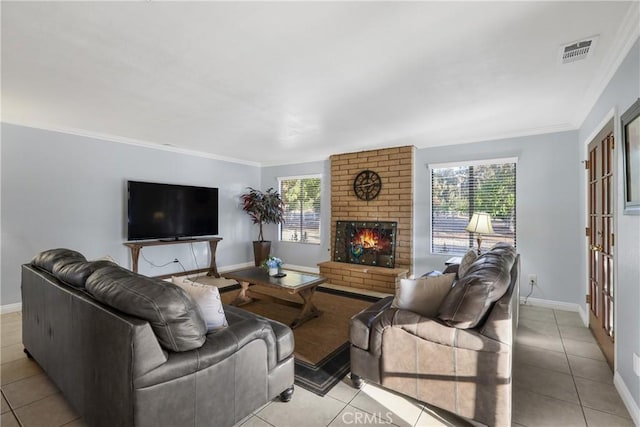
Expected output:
(480, 223)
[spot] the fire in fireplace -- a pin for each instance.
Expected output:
(368, 243)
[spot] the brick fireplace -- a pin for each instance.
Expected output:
(393, 204)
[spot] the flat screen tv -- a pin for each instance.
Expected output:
(166, 211)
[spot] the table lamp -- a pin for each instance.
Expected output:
(480, 224)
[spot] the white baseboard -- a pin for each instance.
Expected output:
(627, 398)
(227, 268)
(584, 315)
(10, 308)
(556, 305)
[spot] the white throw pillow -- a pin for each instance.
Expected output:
(469, 258)
(208, 298)
(423, 295)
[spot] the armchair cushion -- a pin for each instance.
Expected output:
(423, 295)
(486, 280)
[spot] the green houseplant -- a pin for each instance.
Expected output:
(264, 207)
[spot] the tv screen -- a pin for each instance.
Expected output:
(166, 211)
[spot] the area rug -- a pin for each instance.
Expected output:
(321, 344)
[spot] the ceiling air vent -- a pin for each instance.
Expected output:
(577, 51)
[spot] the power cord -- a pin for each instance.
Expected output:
(157, 265)
(531, 282)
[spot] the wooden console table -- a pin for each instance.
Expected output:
(213, 245)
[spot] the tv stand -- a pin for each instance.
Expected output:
(136, 247)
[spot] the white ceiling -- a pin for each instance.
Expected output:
(274, 83)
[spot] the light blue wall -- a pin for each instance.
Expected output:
(300, 254)
(620, 93)
(547, 208)
(61, 190)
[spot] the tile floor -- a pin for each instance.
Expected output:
(560, 379)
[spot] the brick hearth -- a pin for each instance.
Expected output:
(379, 279)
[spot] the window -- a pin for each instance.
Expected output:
(459, 190)
(301, 197)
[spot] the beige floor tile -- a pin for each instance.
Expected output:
(11, 338)
(12, 352)
(601, 397)
(9, 420)
(532, 409)
(595, 370)
(28, 390)
(376, 400)
(344, 391)
(582, 349)
(537, 313)
(303, 407)
(50, 411)
(351, 416)
(5, 405)
(542, 358)
(529, 337)
(579, 333)
(13, 325)
(18, 370)
(545, 382)
(253, 421)
(602, 419)
(16, 316)
(568, 318)
(546, 328)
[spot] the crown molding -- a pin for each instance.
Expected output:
(557, 128)
(627, 35)
(134, 142)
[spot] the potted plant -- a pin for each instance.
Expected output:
(263, 208)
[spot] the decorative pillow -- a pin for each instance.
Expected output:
(423, 295)
(173, 315)
(208, 298)
(466, 262)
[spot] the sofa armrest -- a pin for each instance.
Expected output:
(431, 330)
(360, 324)
(219, 345)
(284, 335)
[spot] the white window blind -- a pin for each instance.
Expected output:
(457, 191)
(301, 197)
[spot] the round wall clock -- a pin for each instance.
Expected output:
(367, 185)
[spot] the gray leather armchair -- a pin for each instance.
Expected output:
(460, 361)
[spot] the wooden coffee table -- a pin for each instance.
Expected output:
(295, 282)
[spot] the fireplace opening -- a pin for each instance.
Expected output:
(367, 243)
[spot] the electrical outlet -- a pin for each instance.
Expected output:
(636, 364)
(532, 280)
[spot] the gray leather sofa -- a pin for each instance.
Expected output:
(461, 360)
(128, 350)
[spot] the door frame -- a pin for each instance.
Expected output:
(599, 130)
